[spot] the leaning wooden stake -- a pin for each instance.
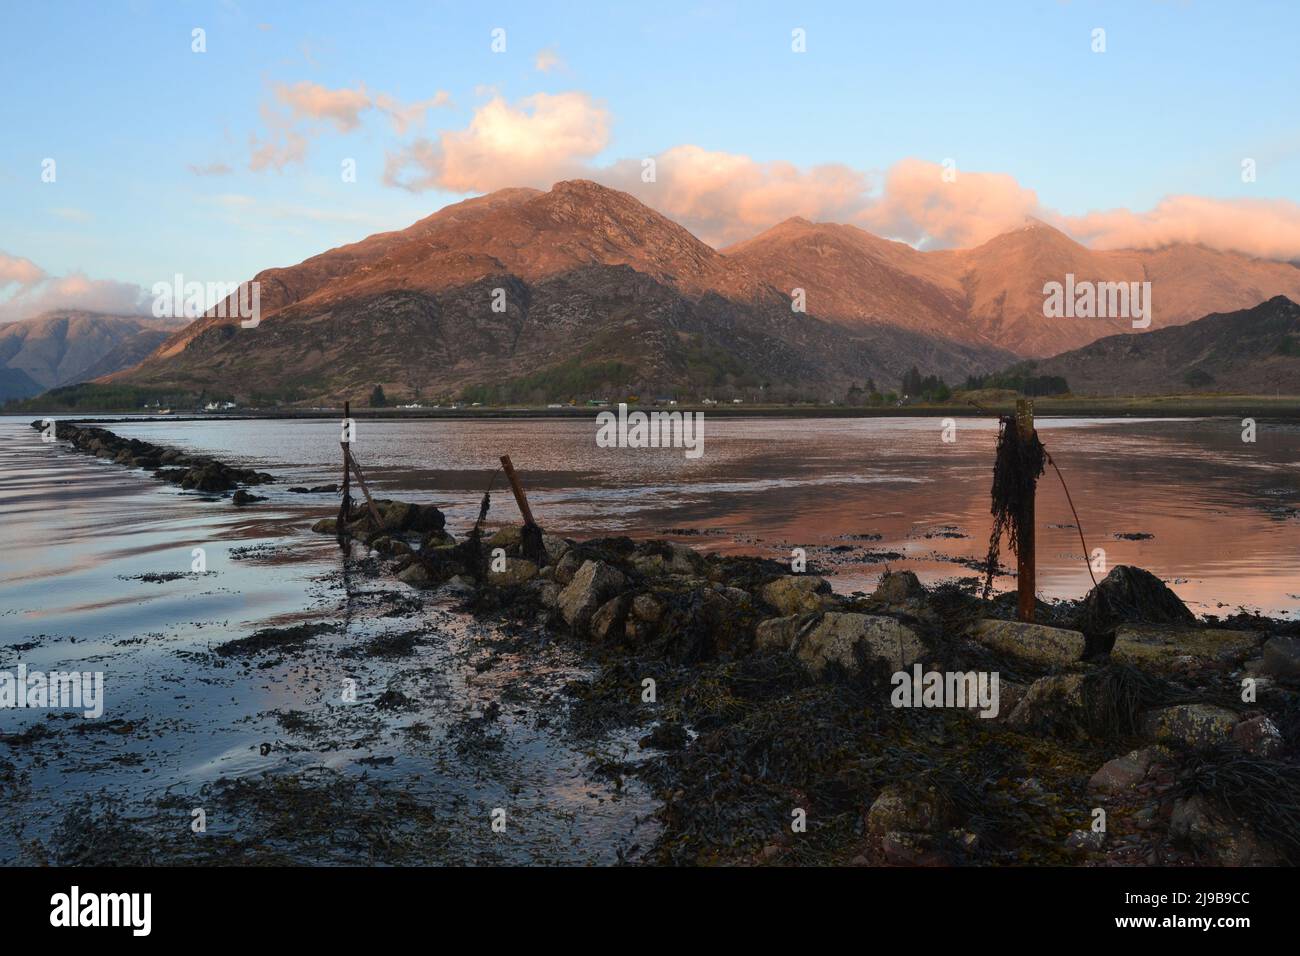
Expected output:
(518, 489)
(1025, 559)
(350, 467)
(341, 523)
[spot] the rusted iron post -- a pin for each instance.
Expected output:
(1025, 556)
(341, 523)
(518, 489)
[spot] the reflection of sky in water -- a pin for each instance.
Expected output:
(1217, 507)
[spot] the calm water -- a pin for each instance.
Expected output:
(77, 534)
(1221, 513)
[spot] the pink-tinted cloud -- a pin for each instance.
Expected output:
(1269, 228)
(15, 270)
(727, 197)
(39, 292)
(342, 107)
(935, 206)
(541, 139)
(548, 60)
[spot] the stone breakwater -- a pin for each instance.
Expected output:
(192, 472)
(773, 687)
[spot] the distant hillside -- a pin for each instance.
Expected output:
(1253, 351)
(63, 347)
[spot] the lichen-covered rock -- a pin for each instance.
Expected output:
(325, 526)
(593, 584)
(1035, 643)
(1164, 645)
(568, 566)
(517, 571)
(1195, 725)
(797, 593)
(900, 807)
(839, 637)
(507, 537)
(777, 633)
(648, 608)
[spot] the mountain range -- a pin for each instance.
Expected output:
(63, 347)
(583, 291)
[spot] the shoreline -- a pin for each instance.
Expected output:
(773, 695)
(1266, 406)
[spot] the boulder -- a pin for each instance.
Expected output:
(416, 575)
(1124, 772)
(1258, 735)
(326, 526)
(900, 807)
(517, 572)
(1195, 725)
(648, 608)
(1282, 658)
(898, 587)
(508, 537)
(1217, 835)
(1035, 643)
(427, 518)
(797, 593)
(1129, 595)
(819, 639)
(608, 621)
(1053, 705)
(568, 566)
(556, 547)
(593, 584)
(1164, 645)
(779, 633)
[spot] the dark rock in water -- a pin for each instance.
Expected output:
(324, 489)
(1130, 595)
(243, 497)
(299, 490)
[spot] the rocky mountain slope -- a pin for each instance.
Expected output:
(598, 295)
(993, 294)
(583, 291)
(63, 347)
(1252, 351)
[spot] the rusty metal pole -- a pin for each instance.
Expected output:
(1025, 556)
(518, 489)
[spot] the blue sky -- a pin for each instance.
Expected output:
(113, 92)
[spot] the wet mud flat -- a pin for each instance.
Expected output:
(770, 732)
(385, 732)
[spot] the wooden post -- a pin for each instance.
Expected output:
(1025, 557)
(518, 489)
(370, 502)
(347, 487)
